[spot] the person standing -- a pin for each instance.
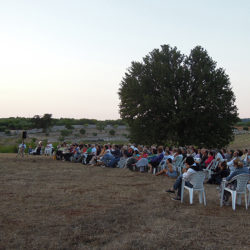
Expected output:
(21, 149)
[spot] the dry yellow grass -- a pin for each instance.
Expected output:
(240, 142)
(46, 204)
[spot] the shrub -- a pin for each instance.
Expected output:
(112, 132)
(61, 138)
(245, 128)
(7, 132)
(19, 141)
(82, 131)
(94, 134)
(66, 132)
(33, 139)
(2, 128)
(69, 126)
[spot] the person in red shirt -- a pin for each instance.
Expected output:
(210, 158)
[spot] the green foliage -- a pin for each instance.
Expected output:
(100, 126)
(112, 132)
(170, 97)
(3, 128)
(244, 124)
(69, 126)
(7, 132)
(8, 149)
(65, 132)
(33, 139)
(19, 141)
(42, 122)
(82, 131)
(61, 138)
(46, 121)
(94, 134)
(45, 142)
(17, 123)
(245, 128)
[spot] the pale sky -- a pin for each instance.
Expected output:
(67, 58)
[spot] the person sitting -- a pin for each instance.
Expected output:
(219, 156)
(222, 171)
(116, 153)
(191, 168)
(30, 150)
(170, 170)
(48, 149)
(92, 151)
(231, 163)
(245, 157)
(155, 161)
(123, 160)
(178, 157)
(77, 153)
(142, 161)
(38, 149)
(209, 159)
(107, 157)
(239, 169)
(204, 156)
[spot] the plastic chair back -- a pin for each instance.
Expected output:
(197, 179)
(242, 180)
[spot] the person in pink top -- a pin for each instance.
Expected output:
(210, 158)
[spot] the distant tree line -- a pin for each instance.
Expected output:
(46, 121)
(244, 123)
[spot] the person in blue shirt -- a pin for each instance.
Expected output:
(239, 169)
(155, 161)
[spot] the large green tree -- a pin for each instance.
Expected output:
(170, 97)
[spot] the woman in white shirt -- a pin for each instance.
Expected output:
(190, 169)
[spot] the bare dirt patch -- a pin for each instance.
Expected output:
(46, 204)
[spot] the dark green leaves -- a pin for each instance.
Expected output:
(170, 97)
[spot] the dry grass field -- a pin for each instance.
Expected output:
(240, 142)
(46, 204)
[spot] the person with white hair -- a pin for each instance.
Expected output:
(48, 149)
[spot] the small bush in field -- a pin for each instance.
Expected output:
(82, 131)
(112, 132)
(7, 132)
(66, 132)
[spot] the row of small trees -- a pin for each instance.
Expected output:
(46, 121)
(67, 132)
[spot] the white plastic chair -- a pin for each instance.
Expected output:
(181, 166)
(48, 151)
(248, 187)
(212, 165)
(241, 188)
(177, 161)
(197, 179)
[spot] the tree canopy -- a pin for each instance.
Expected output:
(173, 98)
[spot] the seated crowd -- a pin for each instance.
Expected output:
(178, 163)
